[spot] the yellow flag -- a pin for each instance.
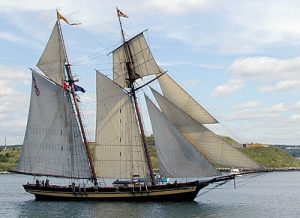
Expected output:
(59, 16)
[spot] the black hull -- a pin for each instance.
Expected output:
(160, 193)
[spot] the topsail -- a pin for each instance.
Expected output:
(141, 60)
(52, 62)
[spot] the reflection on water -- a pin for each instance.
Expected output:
(55, 209)
(117, 209)
(274, 195)
(150, 209)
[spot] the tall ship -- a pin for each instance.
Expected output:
(55, 142)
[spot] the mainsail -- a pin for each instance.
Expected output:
(53, 144)
(177, 157)
(184, 101)
(140, 59)
(119, 151)
(52, 61)
(216, 150)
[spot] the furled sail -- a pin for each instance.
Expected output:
(52, 61)
(53, 143)
(216, 150)
(177, 157)
(143, 62)
(172, 91)
(119, 152)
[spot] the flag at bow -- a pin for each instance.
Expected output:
(121, 14)
(60, 17)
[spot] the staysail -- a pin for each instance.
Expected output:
(52, 61)
(53, 143)
(142, 60)
(177, 157)
(119, 151)
(172, 91)
(216, 150)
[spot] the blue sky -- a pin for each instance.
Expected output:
(239, 59)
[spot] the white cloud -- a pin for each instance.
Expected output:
(264, 68)
(248, 105)
(14, 75)
(191, 83)
(282, 86)
(295, 117)
(180, 63)
(277, 108)
(264, 23)
(255, 113)
(297, 105)
(14, 103)
(228, 88)
(10, 37)
(177, 6)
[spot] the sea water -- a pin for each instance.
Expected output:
(266, 195)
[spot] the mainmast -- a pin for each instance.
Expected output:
(131, 79)
(71, 82)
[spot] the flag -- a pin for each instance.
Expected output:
(37, 91)
(60, 17)
(66, 86)
(79, 88)
(121, 14)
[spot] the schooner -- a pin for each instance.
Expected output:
(55, 142)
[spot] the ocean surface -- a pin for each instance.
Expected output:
(268, 195)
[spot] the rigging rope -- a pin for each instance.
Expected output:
(210, 189)
(245, 182)
(252, 178)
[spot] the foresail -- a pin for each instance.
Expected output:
(53, 144)
(119, 151)
(172, 91)
(52, 61)
(143, 62)
(177, 157)
(216, 150)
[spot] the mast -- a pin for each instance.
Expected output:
(131, 80)
(71, 83)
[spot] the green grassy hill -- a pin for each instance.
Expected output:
(271, 157)
(9, 158)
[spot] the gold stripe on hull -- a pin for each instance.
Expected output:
(91, 195)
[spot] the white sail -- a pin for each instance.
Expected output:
(172, 91)
(119, 151)
(216, 150)
(177, 157)
(143, 62)
(52, 61)
(53, 144)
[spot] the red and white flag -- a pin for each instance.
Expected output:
(121, 14)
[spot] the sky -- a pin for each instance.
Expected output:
(239, 59)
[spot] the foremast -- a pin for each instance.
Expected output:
(71, 81)
(132, 76)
